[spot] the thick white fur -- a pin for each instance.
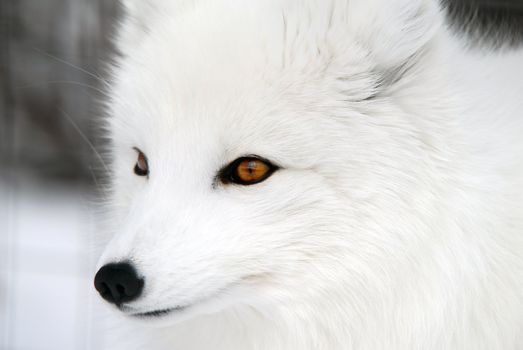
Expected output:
(396, 219)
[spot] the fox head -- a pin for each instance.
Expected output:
(266, 151)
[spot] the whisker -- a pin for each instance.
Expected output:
(97, 183)
(72, 65)
(85, 139)
(63, 82)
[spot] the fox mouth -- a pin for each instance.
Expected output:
(158, 313)
(167, 311)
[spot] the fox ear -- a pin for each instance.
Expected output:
(402, 28)
(137, 15)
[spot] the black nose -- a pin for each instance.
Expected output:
(118, 283)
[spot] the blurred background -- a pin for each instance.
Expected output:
(53, 56)
(53, 63)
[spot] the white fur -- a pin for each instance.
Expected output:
(396, 221)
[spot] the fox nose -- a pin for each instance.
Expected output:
(118, 283)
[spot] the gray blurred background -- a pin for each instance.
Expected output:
(53, 56)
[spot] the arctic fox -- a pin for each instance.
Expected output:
(305, 174)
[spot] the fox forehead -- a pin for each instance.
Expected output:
(200, 55)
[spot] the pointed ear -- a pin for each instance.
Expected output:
(400, 29)
(137, 16)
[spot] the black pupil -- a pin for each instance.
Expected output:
(251, 167)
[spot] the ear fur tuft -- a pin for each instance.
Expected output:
(405, 28)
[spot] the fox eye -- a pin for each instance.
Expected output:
(141, 167)
(247, 171)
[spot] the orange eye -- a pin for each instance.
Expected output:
(247, 171)
(251, 170)
(141, 167)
